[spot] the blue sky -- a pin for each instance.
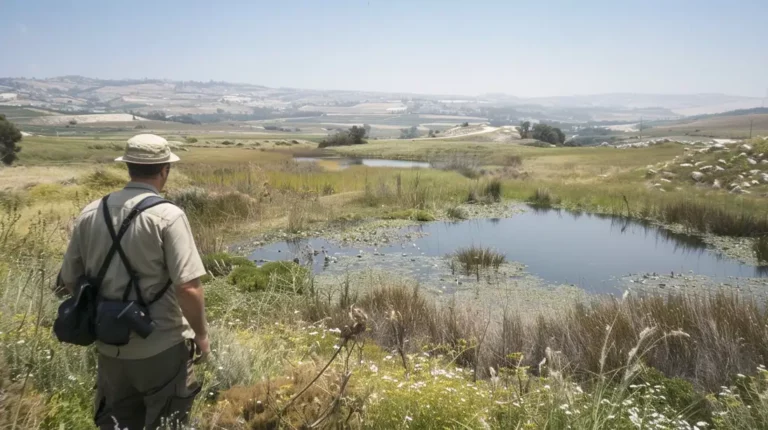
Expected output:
(530, 48)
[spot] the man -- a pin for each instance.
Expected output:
(148, 382)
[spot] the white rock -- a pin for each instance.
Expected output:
(686, 165)
(741, 176)
(732, 185)
(657, 185)
(697, 176)
(703, 150)
(719, 169)
(754, 172)
(755, 182)
(721, 161)
(717, 147)
(705, 168)
(745, 184)
(698, 163)
(763, 161)
(716, 184)
(745, 147)
(665, 180)
(737, 190)
(764, 178)
(742, 155)
(751, 161)
(651, 172)
(668, 175)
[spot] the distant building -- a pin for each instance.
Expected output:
(399, 109)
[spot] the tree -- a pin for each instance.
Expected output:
(353, 136)
(409, 133)
(9, 137)
(546, 133)
(524, 129)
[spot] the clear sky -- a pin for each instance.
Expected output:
(524, 48)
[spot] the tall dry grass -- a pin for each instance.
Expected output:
(705, 339)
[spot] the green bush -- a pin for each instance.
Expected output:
(678, 394)
(284, 276)
(221, 263)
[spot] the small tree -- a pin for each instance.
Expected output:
(409, 133)
(9, 137)
(524, 129)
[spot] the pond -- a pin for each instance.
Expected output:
(370, 162)
(588, 251)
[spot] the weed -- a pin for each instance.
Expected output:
(456, 212)
(474, 258)
(760, 247)
(543, 198)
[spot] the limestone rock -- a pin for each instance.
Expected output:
(686, 165)
(751, 161)
(697, 176)
(745, 147)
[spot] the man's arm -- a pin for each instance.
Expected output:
(192, 302)
(185, 269)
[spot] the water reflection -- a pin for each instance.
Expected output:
(588, 250)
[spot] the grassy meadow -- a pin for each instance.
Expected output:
(378, 352)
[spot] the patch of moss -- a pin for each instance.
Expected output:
(222, 263)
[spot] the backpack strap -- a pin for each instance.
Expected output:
(133, 283)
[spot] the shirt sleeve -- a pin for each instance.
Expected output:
(181, 256)
(72, 267)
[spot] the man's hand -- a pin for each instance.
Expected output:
(203, 347)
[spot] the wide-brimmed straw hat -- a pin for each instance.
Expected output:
(147, 149)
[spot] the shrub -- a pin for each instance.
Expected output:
(284, 276)
(191, 140)
(354, 136)
(222, 263)
(227, 142)
(104, 179)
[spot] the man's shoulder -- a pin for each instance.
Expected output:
(167, 211)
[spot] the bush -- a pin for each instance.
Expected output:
(191, 140)
(353, 136)
(104, 179)
(222, 263)
(284, 276)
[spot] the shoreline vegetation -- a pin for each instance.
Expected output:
(382, 353)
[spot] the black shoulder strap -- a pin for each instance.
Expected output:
(143, 205)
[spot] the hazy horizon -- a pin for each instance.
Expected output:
(441, 48)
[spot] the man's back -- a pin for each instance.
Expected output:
(159, 246)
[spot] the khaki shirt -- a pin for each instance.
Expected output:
(159, 245)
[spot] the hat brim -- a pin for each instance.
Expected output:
(171, 159)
